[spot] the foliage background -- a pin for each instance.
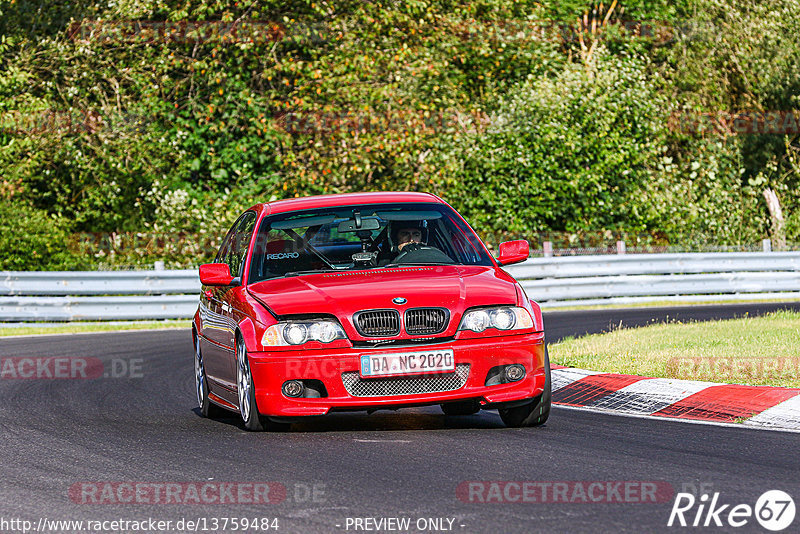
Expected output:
(122, 151)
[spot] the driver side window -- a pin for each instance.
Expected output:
(225, 246)
(240, 242)
(234, 247)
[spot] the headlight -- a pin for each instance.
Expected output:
(502, 318)
(298, 332)
(324, 331)
(295, 333)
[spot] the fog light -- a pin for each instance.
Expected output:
(293, 388)
(515, 372)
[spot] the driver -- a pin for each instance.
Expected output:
(408, 234)
(409, 243)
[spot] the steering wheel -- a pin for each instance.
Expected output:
(419, 253)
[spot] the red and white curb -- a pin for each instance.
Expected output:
(762, 406)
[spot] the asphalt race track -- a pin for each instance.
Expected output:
(143, 427)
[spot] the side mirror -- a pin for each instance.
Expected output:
(216, 274)
(513, 252)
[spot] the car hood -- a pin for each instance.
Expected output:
(455, 287)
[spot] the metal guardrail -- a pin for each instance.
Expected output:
(622, 264)
(100, 282)
(553, 282)
(129, 308)
(103, 296)
(631, 278)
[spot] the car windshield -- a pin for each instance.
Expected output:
(368, 236)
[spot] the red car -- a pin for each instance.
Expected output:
(361, 302)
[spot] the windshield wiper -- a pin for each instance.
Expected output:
(313, 271)
(415, 264)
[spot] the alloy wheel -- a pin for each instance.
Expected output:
(199, 373)
(243, 381)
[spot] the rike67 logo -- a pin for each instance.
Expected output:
(774, 510)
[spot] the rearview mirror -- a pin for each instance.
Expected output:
(216, 274)
(353, 225)
(513, 252)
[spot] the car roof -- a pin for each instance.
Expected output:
(344, 199)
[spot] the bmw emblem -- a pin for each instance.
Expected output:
(399, 300)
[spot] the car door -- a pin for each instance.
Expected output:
(215, 345)
(230, 298)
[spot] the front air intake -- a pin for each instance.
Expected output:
(377, 323)
(426, 321)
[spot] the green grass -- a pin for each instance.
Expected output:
(78, 328)
(754, 350)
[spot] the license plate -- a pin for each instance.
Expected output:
(407, 363)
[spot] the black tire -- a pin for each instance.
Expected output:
(253, 421)
(536, 412)
(207, 408)
(461, 408)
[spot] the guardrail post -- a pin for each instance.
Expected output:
(766, 244)
(620, 247)
(547, 248)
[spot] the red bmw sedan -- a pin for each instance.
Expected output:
(365, 301)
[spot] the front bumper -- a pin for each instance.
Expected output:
(271, 369)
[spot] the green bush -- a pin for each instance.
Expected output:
(30, 239)
(741, 56)
(159, 144)
(698, 198)
(566, 153)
